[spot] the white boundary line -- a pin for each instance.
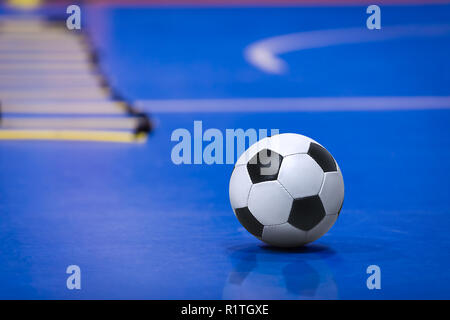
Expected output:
(296, 104)
(264, 54)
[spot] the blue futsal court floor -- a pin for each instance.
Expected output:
(141, 227)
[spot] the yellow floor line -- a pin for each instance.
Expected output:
(73, 135)
(24, 4)
(69, 123)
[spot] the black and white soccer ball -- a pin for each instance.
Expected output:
(287, 190)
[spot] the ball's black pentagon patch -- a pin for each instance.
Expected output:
(306, 213)
(264, 166)
(249, 222)
(323, 158)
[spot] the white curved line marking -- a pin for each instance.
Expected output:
(264, 53)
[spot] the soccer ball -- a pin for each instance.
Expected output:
(286, 190)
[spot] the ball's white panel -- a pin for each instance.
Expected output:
(289, 143)
(269, 203)
(332, 192)
(284, 235)
(322, 228)
(300, 175)
(251, 151)
(240, 185)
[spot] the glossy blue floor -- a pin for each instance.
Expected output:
(141, 227)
